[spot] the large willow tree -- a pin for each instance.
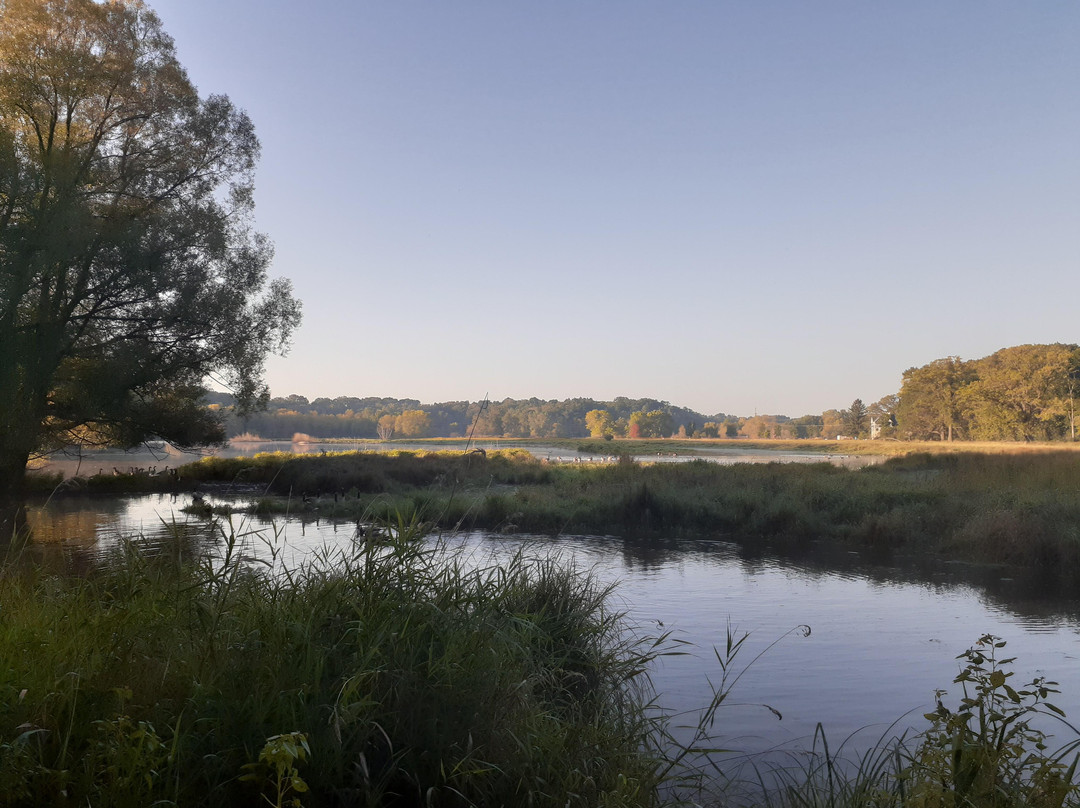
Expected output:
(129, 269)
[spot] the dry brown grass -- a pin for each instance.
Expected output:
(879, 447)
(247, 437)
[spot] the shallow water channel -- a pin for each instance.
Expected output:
(881, 638)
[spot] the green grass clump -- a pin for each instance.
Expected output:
(390, 674)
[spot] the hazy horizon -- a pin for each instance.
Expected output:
(679, 404)
(775, 207)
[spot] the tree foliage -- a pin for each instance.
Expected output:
(931, 404)
(856, 419)
(412, 424)
(129, 269)
(599, 423)
(351, 417)
(657, 423)
(832, 424)
(1024, 392)
(386, 427)
(1020, 393)
(761, 427)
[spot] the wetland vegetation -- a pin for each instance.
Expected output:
(1015, 509)
(390, 673)
(395, 672)
(387, 674)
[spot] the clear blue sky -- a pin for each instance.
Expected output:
(733, 206)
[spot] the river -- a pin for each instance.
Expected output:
(881, 638)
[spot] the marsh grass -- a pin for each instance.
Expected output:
(1020, 509)
(413, 678)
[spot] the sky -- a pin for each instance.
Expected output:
(737, 207)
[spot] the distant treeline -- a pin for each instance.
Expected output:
(1026, 392)
(349, 417)
(1021, 393)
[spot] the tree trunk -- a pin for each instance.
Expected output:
(14, 452)
(12, 513)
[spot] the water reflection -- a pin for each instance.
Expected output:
(76, 535)
(886, 631)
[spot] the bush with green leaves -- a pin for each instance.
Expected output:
(987, 751)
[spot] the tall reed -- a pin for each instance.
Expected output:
(404, 675)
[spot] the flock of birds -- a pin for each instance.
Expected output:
(143, 471)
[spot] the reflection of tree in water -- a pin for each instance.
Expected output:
(78, 535)
(1035, 593)
(1038, 595)
(72, 527)
(644, 556)
(72, 537)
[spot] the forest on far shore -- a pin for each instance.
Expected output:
(1025, 393)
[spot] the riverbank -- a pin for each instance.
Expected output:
(391, 673)
(1019, 509)
(826, 448)
(385, 674)
(706, 447)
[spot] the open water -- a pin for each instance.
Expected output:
(881, 638)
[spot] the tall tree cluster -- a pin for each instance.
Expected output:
(1026, 392)
(350, 417)
(129, 267)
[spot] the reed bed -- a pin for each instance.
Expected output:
(1018, 509)
(886, 448)
(391, 674)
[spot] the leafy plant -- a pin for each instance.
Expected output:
(127, 761)
(987, 752)
(277, 768)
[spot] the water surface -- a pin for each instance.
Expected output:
(882, 638)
